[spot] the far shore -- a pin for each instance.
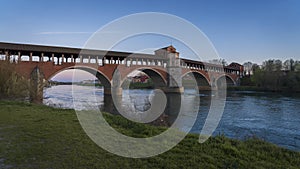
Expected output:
(261, 89)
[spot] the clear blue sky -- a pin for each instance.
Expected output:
(241, 30)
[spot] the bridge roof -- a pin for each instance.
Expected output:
(210, 64)
(26, 48)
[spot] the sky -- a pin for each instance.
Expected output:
(240, 30)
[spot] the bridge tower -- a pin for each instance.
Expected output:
(174, 80)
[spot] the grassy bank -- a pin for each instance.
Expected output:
(35, 136)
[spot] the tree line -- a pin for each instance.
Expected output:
(273, 75)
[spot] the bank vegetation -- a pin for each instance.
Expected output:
(37, 136)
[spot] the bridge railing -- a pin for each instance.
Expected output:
(101, 61)
(132, 59)
(209, 67)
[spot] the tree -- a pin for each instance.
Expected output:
(272, 65)
(12, 85)
(257, 78)
(271, 76)
(268, 65)
(255, 67)
(297, 66)
(218, 62)
(248, 67)
(277, 65)
(289, 65)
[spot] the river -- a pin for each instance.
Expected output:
(273, 117)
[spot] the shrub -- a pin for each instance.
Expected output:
(12, 85)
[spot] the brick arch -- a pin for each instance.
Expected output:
(105, 81)
(158, 75)
(196, 75)
(227, 77)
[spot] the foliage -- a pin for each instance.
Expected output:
(218, 62)
(248, 67)
(12, 85)
(272, 65)
(36, 136)
(247, 81)
(138, 85)
(275, 76)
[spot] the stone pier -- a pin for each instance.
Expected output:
(36, 86)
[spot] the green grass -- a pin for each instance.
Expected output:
(36, 136)
(139, 85)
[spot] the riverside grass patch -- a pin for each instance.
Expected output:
(37, 136)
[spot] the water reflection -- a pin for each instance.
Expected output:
(146, 106)
(272, 117)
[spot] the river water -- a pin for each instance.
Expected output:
(272, 117)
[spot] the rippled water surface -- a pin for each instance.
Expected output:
(269, 116)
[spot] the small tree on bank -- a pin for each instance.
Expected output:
(12, 85)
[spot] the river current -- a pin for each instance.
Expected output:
(272, 117)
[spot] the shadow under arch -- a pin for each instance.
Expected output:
(99, 75)
(196, 80)
(157, 107)
(223, 81)
(108, 105)
(157, 78)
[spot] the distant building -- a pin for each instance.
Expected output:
(237, 66)
(90, 81)
(140, 79)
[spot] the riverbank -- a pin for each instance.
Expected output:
(260, 89)
(37, 136)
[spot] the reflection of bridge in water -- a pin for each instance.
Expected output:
(41, 63)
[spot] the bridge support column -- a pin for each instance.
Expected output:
(36, 86)
(103, 61)
(19, 57)
(116, 91)
(116, 88)
(52, 57)
(81, 59)
(6, 55)
(42, 57)
(30, 57)
(173, 107)
(62, 58)
(204, 88)
(112, 97)
(109, 104)
(172, 89)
